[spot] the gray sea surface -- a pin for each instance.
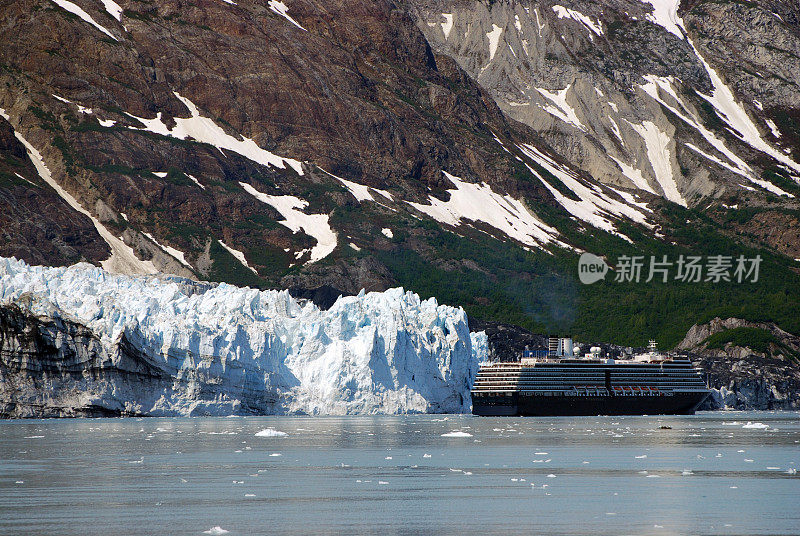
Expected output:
(711, 473)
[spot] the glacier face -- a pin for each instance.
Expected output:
(224, 349)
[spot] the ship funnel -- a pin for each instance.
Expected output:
(561, 347)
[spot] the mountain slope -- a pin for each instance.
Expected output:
(373, 144)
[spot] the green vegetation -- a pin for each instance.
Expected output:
(756, 339)
(227, 268)
(499, 281)
(10, 179)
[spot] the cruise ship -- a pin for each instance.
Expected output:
(555, 382)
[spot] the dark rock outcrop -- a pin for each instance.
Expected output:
(743, 377)
(54, 367)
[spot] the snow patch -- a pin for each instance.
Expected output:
(314, 225)
(360, 191)
(447, 25)
(77, 10)
(122, 259)
(657, 145)
(177, 254)
(239, 256)
(593, 206)
(478, 202)
(736, 117)
(773, 127)
(635, 175)
(737, 165)
(562, 109)
(387, 232)
(494, 40)
(566, 13)
(113, 9)
(81, 109)
(665, 14)
(205, 130)
(194, 180)
(281, 9)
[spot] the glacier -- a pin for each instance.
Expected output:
(181, 347)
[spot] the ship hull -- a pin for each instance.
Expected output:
(519, 404)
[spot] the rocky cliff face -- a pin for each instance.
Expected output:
(678, 99)
(463, 149)
(749, 365)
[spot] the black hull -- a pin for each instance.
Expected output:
(566, 406)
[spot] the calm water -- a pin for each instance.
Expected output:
(398, 475)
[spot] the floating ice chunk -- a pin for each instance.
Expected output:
(748, 460)
(551, 475)
(388, 458)
(641, 457)
(755, 425)
(382, 482)
(687, 472)
(426, 455)
(270, 432)
(731, 423)
(34, 437)
(653, 476)
(275, 454)
(215, 531)
(249, 494)
(773, 468)
(540, 453)
(456, 433)
(19, 482)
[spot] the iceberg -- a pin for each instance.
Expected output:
(163, 345)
